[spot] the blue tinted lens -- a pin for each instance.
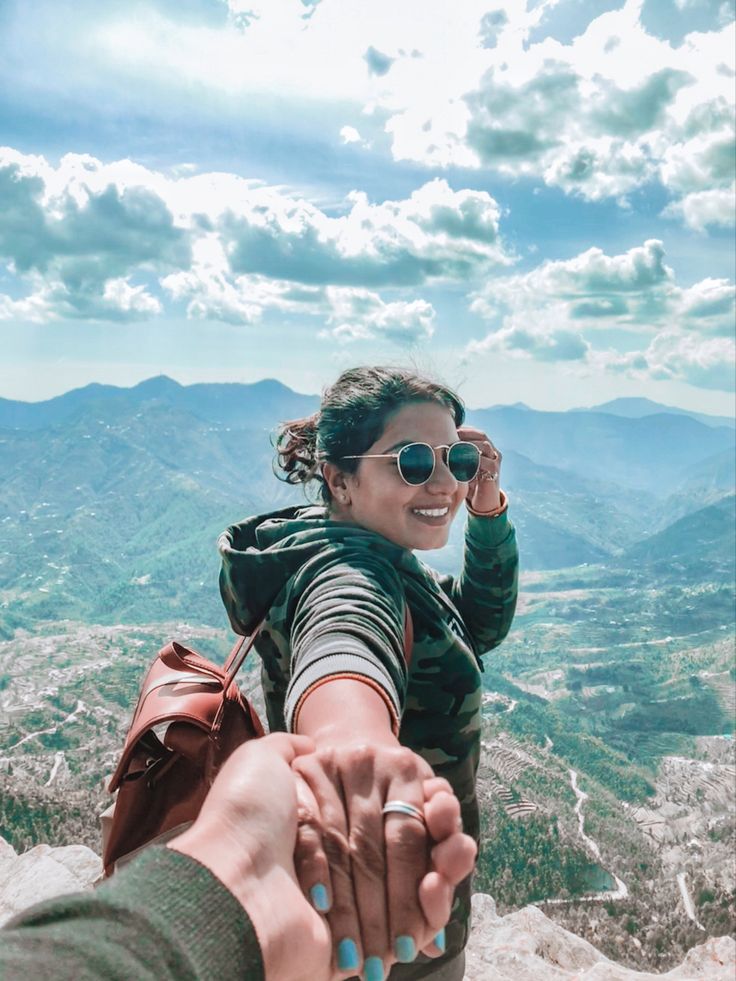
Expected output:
(416, 463)
(463, 460)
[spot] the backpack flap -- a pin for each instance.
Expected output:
(180, 687)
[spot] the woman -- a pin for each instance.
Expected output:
(342, 588)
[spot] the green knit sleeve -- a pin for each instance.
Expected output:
(486, 590)
(164, 917)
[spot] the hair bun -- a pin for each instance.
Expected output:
(296, 449)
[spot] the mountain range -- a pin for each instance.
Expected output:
(112, 498)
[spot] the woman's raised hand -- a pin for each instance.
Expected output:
(484, 493)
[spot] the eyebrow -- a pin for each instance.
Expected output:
(396, 446)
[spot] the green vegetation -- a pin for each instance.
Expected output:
(32, 815)
(526, 860)
(535, 719)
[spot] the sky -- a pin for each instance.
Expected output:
(532, 199)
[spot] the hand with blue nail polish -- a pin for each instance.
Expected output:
(405, 893)
(246, 838)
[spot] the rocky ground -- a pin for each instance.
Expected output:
(521, 946)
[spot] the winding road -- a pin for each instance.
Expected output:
(687, 901)
(621, 891)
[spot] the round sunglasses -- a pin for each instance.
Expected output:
(416, 461)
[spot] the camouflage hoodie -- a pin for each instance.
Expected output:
(334, 595)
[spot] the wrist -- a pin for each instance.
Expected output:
(492, 512)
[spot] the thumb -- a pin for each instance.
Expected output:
(287, 746)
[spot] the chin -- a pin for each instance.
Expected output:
(429, 542)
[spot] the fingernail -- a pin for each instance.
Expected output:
(439, 941)
(347, 955)
(373, 969)
(405, 949)
(319, 898)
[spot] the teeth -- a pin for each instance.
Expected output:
(432, 512)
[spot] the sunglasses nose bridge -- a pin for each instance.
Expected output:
(441, 470)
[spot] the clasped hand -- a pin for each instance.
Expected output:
(384, 882)
(274, 826)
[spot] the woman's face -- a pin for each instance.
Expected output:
(376, 497)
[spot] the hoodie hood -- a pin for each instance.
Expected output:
(261, 554)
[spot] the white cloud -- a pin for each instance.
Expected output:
(679, 356)
(560, 310)
(598, 117)
(358, 314)
(592, 288)
(705, 209)
(435, 234)
(212, 291)
(78, 234)
(100, 241)
(34, 308)
(349, 134)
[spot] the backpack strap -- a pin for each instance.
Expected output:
(238, 654)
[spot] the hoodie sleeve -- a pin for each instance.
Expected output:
(485, 592)
(164, 917)
(347, 622)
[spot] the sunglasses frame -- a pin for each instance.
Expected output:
(442, 446)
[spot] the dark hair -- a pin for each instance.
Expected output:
(353, 414)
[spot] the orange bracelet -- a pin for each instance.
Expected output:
(491, 514)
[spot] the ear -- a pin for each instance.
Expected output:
(337, 481)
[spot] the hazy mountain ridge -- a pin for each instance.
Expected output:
(635, 408)
(116, 507)
(228, 403)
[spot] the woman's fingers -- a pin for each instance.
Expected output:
(323, 778)
(442, 813)
(434, 785)
(310, 861)
(407, 855)
(454, 858)
(435, 896)
(363, 794)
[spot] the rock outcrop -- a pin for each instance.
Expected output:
(521, 946)
(42, 873)
(527, 946)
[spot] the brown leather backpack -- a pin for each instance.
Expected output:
(189, 718)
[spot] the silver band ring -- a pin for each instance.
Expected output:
(403, 807)
(487, 475)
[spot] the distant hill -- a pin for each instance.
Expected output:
(261, 404)
(651, 454)
(705, 538)
(636, 408)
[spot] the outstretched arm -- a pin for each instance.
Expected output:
(387, 893)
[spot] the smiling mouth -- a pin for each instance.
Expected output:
(431, 512)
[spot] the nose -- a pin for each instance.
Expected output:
(442, 480)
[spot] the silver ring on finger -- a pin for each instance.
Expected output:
(487, 475)
(405, 808)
